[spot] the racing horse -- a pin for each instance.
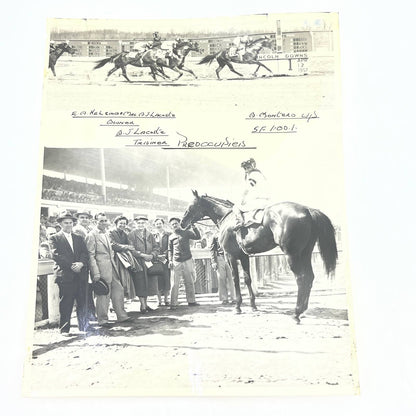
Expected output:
(177, 63)
(253, 49)
(122, 59)
(156, 59)
(293, 227)
(56, 53)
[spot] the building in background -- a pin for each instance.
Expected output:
(320, 41)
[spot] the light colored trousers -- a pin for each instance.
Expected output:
(185, 270)
(225, 280)
(116, 294)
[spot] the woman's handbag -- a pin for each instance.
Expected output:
(155, 269)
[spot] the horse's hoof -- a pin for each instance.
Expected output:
(237, 311)
(297, 319)
(254, 308)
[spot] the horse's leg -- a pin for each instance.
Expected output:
(255, 72)
(245, 263)
(153, 73)
(53, 70)
(301, 267)
(111, 71)
(188, 70)
(221, 63)
(230, 66)
(178, 71)
(124, 72)
(260, 64)
(232, 261)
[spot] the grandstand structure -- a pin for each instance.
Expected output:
(285, 42)
(121, 181)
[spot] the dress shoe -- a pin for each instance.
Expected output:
(124, 320)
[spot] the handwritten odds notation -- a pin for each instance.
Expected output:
(279, 122)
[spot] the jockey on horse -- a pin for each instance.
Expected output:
(239, 46)
(167, 48)
(255, 196)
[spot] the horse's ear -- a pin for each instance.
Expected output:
(195, 193)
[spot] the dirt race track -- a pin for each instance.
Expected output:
(78, 84)
(207, 350)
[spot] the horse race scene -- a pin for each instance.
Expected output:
(192, 232)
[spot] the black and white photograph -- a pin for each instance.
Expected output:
(208, 208)
(192, 211)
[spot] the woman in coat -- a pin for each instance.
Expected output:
(122, 252)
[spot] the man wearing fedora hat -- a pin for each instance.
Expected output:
(103, 266)
(82, 228)
(70, 255)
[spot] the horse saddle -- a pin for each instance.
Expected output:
(253, 217)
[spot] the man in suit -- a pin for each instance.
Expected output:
(82, 228)
(70, 255)
(102, 266)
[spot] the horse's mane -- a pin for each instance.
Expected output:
(253, 42)
(224, 202)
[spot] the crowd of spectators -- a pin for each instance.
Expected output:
(58, 189)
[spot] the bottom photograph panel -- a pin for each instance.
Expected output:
(155, 278)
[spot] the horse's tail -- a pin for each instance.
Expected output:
(208, 59)
(105, 61)
(326, 239)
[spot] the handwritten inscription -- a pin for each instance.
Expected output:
(149, 143)
(93, 113)
(227, 143)
(275, 117)
(122, 125)
(281, 115)
(138, 131)
(281, 128)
